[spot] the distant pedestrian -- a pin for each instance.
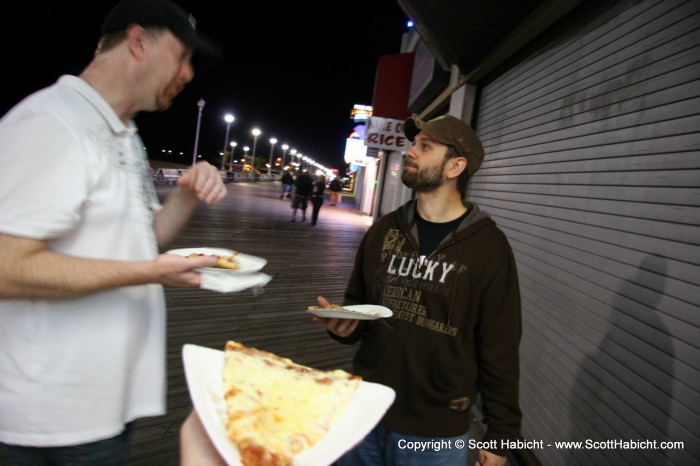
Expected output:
(303, 186)
(287, 182)
(335, 187)
(317, 197)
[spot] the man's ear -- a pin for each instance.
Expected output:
(455, 166)
(136, 37)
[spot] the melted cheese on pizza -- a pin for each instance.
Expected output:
(277, 408)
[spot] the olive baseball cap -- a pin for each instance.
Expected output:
(164, 13)
(450, 131)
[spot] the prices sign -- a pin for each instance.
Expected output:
(387, 134)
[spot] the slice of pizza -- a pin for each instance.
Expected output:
(222, 262)
(277, 408)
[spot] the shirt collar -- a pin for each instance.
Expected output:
(97, 101)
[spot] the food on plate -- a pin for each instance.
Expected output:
(336, 307)
(223, 262)
(277, 408)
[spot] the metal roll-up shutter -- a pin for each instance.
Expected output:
(592, 135)
(391, 185)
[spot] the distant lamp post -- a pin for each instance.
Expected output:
(256, 132)
(273, 141)
(228, 119)
(284, 155)
(292, 152)
(200, 104)
(233, 149)
(245, 154)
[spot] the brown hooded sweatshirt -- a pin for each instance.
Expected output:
(455, 328)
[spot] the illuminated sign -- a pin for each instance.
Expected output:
(361, 112)
(355, 152)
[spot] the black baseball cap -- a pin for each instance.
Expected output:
(164, 13)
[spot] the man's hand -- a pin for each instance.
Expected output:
(486, 458)
(203, 180)
(175, 270)
(195, 447)
(339, 327)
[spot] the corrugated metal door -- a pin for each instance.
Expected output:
(391, 184)
(593, 170)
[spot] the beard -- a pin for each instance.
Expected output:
(425, 179)
(164, 99)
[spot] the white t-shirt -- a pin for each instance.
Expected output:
(75, 370)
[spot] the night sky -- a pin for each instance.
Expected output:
(292, 69)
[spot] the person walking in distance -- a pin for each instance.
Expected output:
(287, 182)
(335, 187)
(303, 186)
(82, 338)
(449, 274)
(317, 197)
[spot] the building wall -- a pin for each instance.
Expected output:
(592, 135)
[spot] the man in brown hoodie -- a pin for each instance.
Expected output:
(448, 274)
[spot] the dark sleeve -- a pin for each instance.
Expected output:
(355, 294)
(498, 339)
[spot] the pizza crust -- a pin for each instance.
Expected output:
(277, 408)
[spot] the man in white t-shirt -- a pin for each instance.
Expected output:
(82, 311)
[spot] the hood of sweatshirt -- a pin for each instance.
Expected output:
(475, 220)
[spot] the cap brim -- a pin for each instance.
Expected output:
(207, 54)
(411, 127)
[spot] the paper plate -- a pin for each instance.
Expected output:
(248, 263)
(204, 372)
(357, 311)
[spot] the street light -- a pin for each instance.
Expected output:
(200, 104)
(284, 154)
(292, 153)
(230, 162)
(273, 141)
(228, 119)
(256, 132)
(245, 154)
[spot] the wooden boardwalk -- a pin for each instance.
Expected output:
(303, 260)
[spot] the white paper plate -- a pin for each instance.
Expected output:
(232, 283)
(248, 263)
(359, 312)
(204, 372)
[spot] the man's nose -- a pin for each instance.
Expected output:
(187, 71)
